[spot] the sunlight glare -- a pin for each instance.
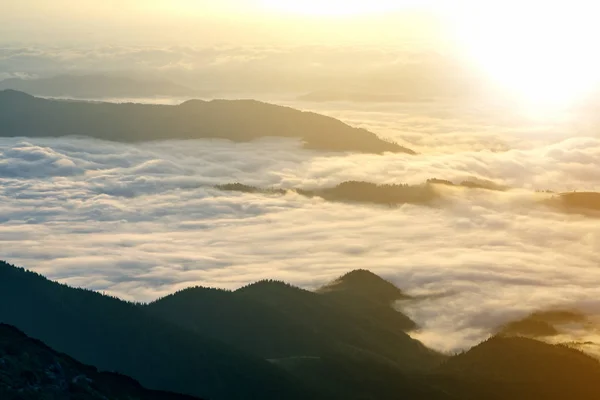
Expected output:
(543, 53)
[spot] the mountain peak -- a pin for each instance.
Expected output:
(365, 283)
(359, 274)
(269, 285)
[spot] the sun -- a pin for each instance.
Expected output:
(543, 52)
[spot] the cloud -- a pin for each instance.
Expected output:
(141, 221)
(27, 160)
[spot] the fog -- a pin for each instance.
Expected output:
(141, 221)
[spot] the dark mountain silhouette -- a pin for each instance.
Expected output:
(356, 192)
(516, 368)
(30, 370)
(368, 192)
(292, 322)
(366, 285)
(113, 335)
(267, 340)
(97, 86)
(327, 339)
(237, 120)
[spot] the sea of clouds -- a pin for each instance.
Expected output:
(141, 221)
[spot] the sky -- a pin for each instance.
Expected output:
(206, 22)
(542, 51)
(144, 221)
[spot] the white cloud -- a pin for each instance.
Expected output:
(141, 221)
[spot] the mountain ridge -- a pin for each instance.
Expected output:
(96, 329)
(236, 120)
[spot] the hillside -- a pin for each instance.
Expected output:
(345, 341)
(31, 370)
(516, 368)
(299, 323)
(237, 120)
(356, 192)
(113, 335)
(267, 340)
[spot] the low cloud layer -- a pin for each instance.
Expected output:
(141, 221)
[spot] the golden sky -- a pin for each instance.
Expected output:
(545, 50)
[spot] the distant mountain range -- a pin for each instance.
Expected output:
(268, 340)
(98, 86)
(368, 192)
(237, 120)
(426, 194)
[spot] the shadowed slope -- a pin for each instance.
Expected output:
(298, 323)
(31, 370)
(237, 120)
(339, 341)
(366, 284)
(516, 368)
(118, 336)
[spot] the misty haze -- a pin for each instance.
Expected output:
(255, 199)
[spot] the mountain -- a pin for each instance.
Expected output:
(356, 192)
(237, 120)
(364, 285)
(31, 370)
(516, 368)
(114, 335)
(267, 340)
(472, 183)
(344, 340)
(298, 323)
(426, 194)
(97, 87)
